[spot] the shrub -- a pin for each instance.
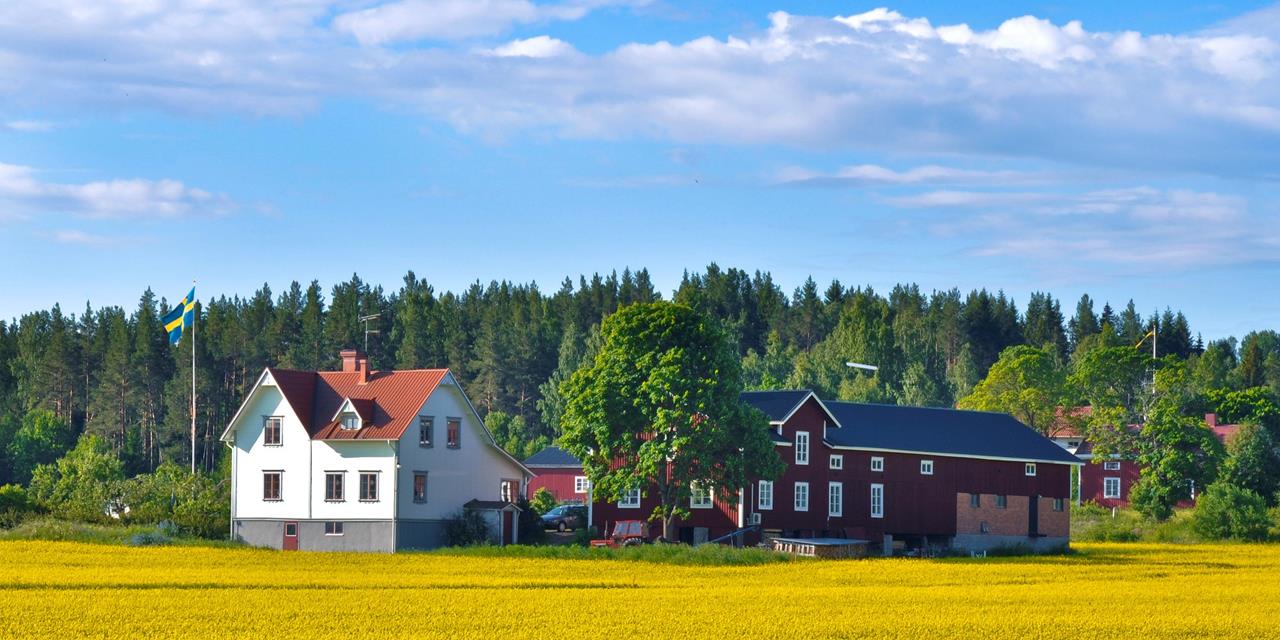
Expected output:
(542, 501)
(530, 524)
(85, 485)
(1227, 511)
(466, 528)
(15, 505)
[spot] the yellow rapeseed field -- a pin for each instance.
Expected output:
(65, 590)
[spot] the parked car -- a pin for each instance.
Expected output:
(565, 517)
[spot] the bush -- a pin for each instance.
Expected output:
(530, 524)
(1227, 511)
(85, 485)
(466, 528)
(197, 505)
(15, 505)
(542, 501)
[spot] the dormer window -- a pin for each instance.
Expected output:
(350, 421)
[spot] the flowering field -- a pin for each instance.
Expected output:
(63, 590)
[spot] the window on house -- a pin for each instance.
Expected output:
(835, 462)
(764, 495)
(802, 496)
(984, 527)
(271, 485)
(271, 430)
(580, 484)
(926, 467)
(630, 499)
(699, 497)
(1073, 443)
(835, 499)
(1111, 466)
(454, 432)
(975, 500)
(1111, 487)
(1059, 504)
(426, 431)
(1030, 469)
(420, 486)
(1002, 502)
(877, 501)
(802, 447)
(369, 486)
(350, 421)
(507, 490)
(333, 528)
(333, 486)
(877, 463)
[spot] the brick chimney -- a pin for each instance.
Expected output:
(1211, 419)
(355, 361)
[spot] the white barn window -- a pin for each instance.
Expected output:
(802, 447)
(699, 497)
(877, 501)
(630, 499)
(835, 499)
(802, 496)
(877, 463)
(580, 484)
(764, 495)
(836, 462)
(1111, 487)
(1031, 468)
(926, 467)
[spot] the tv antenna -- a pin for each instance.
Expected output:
(367, 330)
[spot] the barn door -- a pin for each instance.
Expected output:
(508, 527)
(290, 536)
(1033, 517)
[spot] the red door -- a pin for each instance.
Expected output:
(290, 536)
(508, 527)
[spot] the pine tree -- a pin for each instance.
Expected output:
(1084, 323)
(1131, 328)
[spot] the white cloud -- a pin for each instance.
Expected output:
(535, 47)
(75, 236)
(1029, 88)
(868, 175)
(411, 20)
(24, 191)
(30, 126)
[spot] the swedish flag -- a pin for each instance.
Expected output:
(182, 316)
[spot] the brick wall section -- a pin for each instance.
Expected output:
(1010, 521)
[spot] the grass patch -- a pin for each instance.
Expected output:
(1091, 523)
(137, 535)
(673, 554)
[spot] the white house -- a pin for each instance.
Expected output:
(362, 460)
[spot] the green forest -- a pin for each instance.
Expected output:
(110, 373)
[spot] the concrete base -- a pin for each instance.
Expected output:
(356, 535)
(980, 542)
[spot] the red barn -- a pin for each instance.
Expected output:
(557, 471)
(887, 474)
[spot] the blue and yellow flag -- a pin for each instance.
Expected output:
(182, 316)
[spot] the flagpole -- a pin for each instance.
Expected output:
(193, 384)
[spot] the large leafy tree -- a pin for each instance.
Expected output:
(1027, 383)
(658, 409)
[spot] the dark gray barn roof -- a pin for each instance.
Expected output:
(921, 429)
(552, 457)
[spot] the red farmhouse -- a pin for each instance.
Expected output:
(891, 475)
(557, 471)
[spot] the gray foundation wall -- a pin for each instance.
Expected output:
(356, 535)
(986, 542)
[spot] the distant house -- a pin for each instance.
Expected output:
(364, 460)
(560, 473)
(891, 475)
(1108, 481)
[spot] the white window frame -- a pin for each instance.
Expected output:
(877, 463)
(802, 447)
(266, 421)
(580, 484)
(377, 486)
(350, 421)
(877, 500)
(1106, 488)
(699, 497)
(1111, 465)
(926, 467)
(797, 493)
(1059, 504)
(1029, 469)
(764, 490)
(334, 526)
(342, 486)
(630, 499)
(835, 462)
(835, 499)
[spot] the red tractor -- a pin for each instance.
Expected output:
(626, 533)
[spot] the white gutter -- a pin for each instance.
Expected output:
(395, 496)
(949, 455)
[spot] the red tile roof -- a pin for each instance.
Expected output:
(388, 402)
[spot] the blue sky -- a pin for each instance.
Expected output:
(1124, 151)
